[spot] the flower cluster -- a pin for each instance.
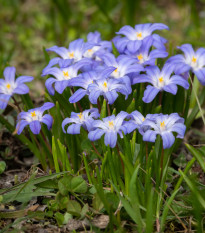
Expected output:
(91, 70)
(110, 126)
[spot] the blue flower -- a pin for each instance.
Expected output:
(95, 45)
(194, 61)
(161, 81)
(164, 125)
(124, 65)
(83, 119)
(83, 81)
(10, 86)
(134, 36)
(34, 118)
(146, 57)
(73, 54)
(110, 126)
(63, 76)
(108, 88)
(136, 120)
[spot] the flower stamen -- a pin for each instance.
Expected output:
(161, 79)
(162, 125)
(65, 73)
(33, 114)
(105, 84)
(140, 57)
(8, 86)
(80, 116)
(71, 55)
(194, 59)
(111, 124)
(139, 35)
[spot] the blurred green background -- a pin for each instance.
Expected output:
(26, 26)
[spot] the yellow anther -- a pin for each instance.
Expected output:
(111, 124)
(143, 119)
(33, 114)
(105, 84)
(162, 124)
(161, 79)
(139, 35)
(90, 50)
(71, 55)
(8, 86)
(65, 73)
(116, 70)
(140, 57)
(80, 116)
(193, 59)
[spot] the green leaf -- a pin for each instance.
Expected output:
(197, 154)
(97, 203)
(64, 185)
(131, 107)
(115, 51)
(32, 182)
(74, 208)
(2, 166)
(59, 218)
(55, 154)
(193, 188)
(103, 113)
(78, 185)
(84, 210)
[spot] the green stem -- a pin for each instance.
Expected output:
(108, 109)
(16, 103)
(162, 160)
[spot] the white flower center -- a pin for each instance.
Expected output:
(111, 125)
(104, 87)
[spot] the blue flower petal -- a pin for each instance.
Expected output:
(171, 88)
(95, 134)
(150, 93)
(21, 125)
(93, 96)
(49, 85)
(127, 31)
(111, 96)
(60, 86)
(4, 99)
(9, 74)
(46, 106)
(176, 79)
(48, 120)
(78, 95)
(74, 129)
(134, 45)
(21, 89)
(51, 63)
(200, 74)
(110, 139)
(23, 79)
(179, 128)
(157, 26)
(59, 50)
(149, 136)
(168, 139)
(35, 127)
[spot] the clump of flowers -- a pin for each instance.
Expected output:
(88, 72)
